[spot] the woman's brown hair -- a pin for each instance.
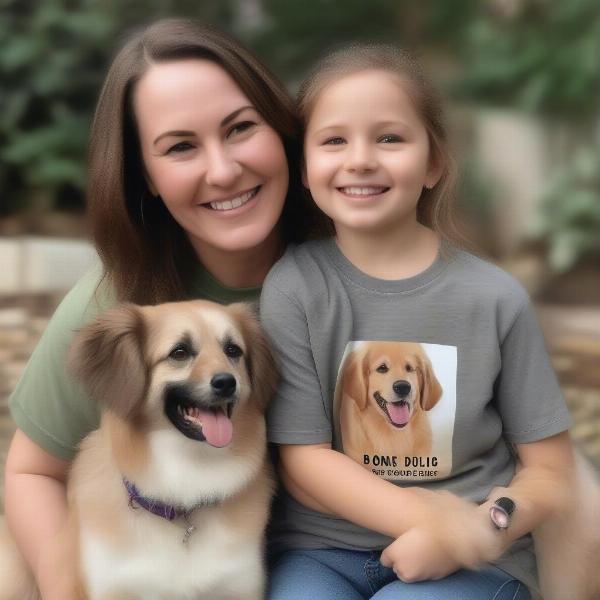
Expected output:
(435, 208)
(144, 251)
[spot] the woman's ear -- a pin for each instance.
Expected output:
(303, 172)
(151, 188)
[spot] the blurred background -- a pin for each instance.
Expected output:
(522, 78)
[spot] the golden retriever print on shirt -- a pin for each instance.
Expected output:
(394, 407)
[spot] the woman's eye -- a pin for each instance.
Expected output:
(240, 128)
(232, 350)
(382, 368)
(334, 141)
(179, 147)
(390, 138)
(180, 353)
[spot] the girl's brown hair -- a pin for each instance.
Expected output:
(435, 208)
(144, 251)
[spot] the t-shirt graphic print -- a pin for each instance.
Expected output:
(395, 407)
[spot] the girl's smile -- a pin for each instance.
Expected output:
(362, 193)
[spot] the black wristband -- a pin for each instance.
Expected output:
(501, 511)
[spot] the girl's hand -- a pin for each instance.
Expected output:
(449, 534)
(417, 555)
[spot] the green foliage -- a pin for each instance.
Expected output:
(53, 59)
(540, 57)
(571, 210)
(295, 34)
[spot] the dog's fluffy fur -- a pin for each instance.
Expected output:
(376, 376)
(139, 363)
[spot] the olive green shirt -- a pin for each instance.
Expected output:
(51, 407)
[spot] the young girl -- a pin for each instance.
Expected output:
(411, 369)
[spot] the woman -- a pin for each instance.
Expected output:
(193, 150)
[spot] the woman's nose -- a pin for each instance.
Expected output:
(222, 169)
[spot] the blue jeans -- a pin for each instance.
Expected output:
(349, 575)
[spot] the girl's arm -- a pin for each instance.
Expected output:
(329, 481)
(36, 510)
(540, 489)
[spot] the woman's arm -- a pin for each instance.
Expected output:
(36, 511)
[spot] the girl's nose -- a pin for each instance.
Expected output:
(361, 158)
(221, 169)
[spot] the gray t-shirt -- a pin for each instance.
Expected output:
(424, 381)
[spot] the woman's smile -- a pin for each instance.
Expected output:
(231, 203)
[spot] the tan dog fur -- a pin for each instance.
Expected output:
(120, 552)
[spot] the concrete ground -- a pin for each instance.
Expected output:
(572, 334)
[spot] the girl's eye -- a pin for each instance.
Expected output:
(179, 148)
(334, 141)
(240, 128)
(382, 368)
(390, 138)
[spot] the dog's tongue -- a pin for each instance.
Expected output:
(216, 427)
(398, 412)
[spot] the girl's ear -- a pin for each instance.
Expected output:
(435, 167)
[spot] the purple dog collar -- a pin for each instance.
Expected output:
(158, 508)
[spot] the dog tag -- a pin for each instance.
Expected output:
(188, 533)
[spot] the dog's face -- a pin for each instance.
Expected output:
(395, 379)
(195, 366)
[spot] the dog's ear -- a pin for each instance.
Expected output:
(260, 361)
(431, 390)
(107, 357)
(355, 382)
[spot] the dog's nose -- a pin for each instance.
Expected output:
(401, 387)
(223, 384)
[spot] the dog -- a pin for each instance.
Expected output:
(386, 390)
(169, 498)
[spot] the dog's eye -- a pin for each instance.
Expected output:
(232, 350)
(382, 368)
(180, 353)
(409, 368)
